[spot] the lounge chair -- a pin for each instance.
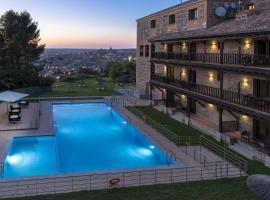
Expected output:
(14, 118)
(24, 103)
(15, 107)
(15, 112)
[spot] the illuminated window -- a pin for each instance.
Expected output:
(193, 14)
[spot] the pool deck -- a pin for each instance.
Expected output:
(192, 170)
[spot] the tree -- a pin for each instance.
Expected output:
(121, 71)
(19, 49)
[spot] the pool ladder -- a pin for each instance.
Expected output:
(171, 157)
(54, 124)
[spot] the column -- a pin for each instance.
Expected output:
(204, 51)
(239, 51)
(188, 107)
(221, 45)
(221, 74)
(220, 120)
(153, 71)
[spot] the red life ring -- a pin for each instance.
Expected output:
(143, 119)
(114, 181)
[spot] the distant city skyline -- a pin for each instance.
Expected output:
(87, 23)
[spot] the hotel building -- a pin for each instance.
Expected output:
(209, 61)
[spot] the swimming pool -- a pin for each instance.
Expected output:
(88, 137)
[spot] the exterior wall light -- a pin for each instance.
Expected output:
(183, 73)
(184, 45)
(211, 76)
(244, 118)
(245, 83)
(247, 43)
(183, 97)
(165, 46)
(211, 106)
(214, 45)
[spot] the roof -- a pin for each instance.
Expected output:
(258, 23)
(186, 2)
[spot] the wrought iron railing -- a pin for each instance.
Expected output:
(234, 59)
(233, 97)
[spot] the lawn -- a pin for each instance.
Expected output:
(233, 189)
(93, 87)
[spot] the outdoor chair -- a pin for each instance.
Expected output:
(15, 112)
(15, 107)
(23, 104)
(14, 118)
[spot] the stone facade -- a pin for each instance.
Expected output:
(240, 47)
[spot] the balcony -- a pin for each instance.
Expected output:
(249, 101)
(217, 58)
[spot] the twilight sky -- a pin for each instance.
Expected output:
(87, 23)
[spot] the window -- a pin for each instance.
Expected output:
(153, 23)
(193, 14)
(146, 50)
(141, 51)
(171, 19)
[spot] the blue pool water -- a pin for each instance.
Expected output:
(88, 137)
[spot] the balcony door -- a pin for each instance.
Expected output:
(261, 88)
(261, 131)
(170, 101)
(192, 76)
(193, 51)
(262, 47)
(170, 72)
(170, 48)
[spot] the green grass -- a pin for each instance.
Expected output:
(168, 122)
(233, 189)
(73, 88)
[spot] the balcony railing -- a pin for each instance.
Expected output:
(257, 103)
(233, 59)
